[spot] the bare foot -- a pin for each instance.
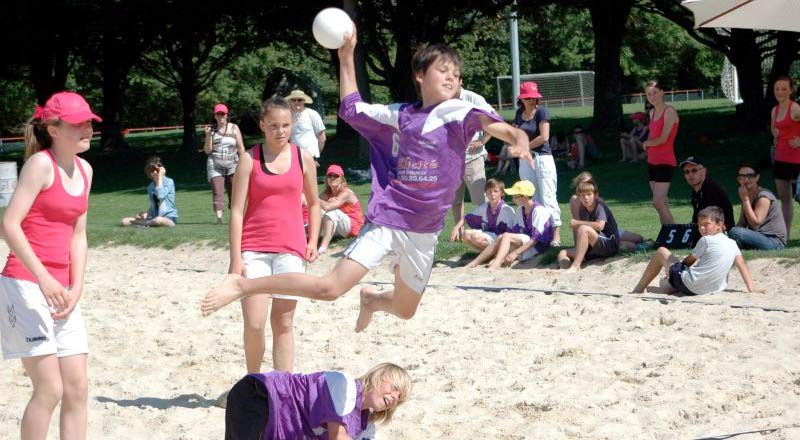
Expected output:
(222, 295)
(493, 268)
(470, 265)
(571, 269)
(369, 296)
(564, 263)
(637, 289)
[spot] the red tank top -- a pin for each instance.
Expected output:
(663, 154)
(48, 227)
(787, 129)
(273, 220)
(352, 210)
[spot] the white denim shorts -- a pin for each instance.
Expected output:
(263, 264)
(28, 328)
(411, 252)
(341, 222)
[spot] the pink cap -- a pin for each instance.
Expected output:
(529, 89)
(221, 108)
(67, 106)
(638, 116)
(335, 169)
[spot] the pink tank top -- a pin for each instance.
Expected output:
(48, 227)
(353, 211)
(273, 220)
(663, 154)
(787, 129)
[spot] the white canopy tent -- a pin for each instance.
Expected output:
(779, 15)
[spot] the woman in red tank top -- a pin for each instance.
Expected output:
(660, 148)
(45, 228)
(785, 124)
(267, 233)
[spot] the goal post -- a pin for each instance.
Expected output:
(559, 89)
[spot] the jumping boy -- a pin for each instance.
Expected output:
(595, 230)
(530, 235)
(417, 159)
(706, 269)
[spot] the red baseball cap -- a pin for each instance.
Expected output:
(638, 116)
(529, 89)
(335, 169)
(221, 108)
(67, 106)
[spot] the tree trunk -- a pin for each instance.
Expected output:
(49, 69)
(189, 104)
(609, 21)
(115, 74)
(747, 58)
(786, 53)
(345, 132)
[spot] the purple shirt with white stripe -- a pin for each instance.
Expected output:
(495, 221)
(536, 224)
(417, 158)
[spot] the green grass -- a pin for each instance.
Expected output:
(707, 129)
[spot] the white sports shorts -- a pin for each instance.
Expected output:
(262, 264)
(28, 328)
(341, 222)
(411, 252)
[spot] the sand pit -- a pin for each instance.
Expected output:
(496, 364)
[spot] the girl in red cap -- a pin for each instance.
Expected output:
(223, 145)
(342, 210)
(541, 171)
(266, 230)
(45, 228)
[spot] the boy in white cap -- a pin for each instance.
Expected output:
(530, 235)
(308, 131)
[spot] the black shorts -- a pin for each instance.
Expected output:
(247, 410)
(786, 170)
(675, 279)
(661, 173)
(602, 248)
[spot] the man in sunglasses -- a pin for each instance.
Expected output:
(705, 192)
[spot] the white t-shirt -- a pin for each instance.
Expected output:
(715, 255)
(307, 124)
(478, 101)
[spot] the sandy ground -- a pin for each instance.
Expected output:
(544, 363)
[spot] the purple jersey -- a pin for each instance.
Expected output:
(301, 405)
(495, 221)
(417, 158)
(536, 224)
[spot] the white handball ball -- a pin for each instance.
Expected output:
(329, 27)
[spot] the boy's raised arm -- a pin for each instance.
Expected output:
(516, 139)
(347, 68)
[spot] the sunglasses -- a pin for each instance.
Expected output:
(692, 171)
(297, 100)
(220, 114)
(747, 176)
(332, 176)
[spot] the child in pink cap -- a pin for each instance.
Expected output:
(342, 210)
(45, 228)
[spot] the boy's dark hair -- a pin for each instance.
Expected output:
(276, 102)
(152, 163)
(494, 183)
(748, 165)
(714, 213)
(428, 54)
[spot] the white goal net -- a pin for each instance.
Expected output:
(729, 82)
(558, 89)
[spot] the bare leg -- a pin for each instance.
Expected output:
(660, 201)
(623, 146)
(784, 190)
(161, 221)
(282, 321)
(328, 287)
(508, 242)
(662, 259)
(45, 377)
(477, 239)
(254, 315)
(564, 258)
(402, 301)
(74, 403)
(327, 232)
(584, 237)
(486, 254)
(127, 221)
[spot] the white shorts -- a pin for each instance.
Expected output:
(29, 330)
(411, 252)
(530, 253)
(491, 237)
(341, 222)
(263, 264)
